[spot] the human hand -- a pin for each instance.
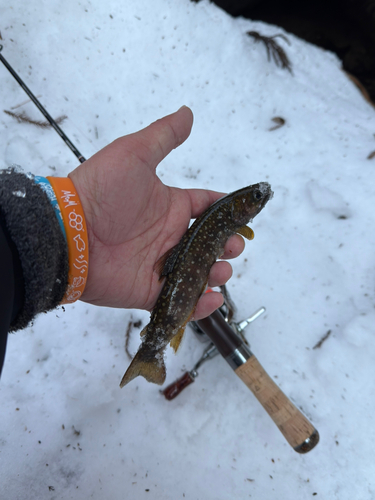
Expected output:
(133, 218)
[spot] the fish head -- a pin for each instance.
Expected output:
(249, 201)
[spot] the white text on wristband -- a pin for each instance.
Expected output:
(76, 233)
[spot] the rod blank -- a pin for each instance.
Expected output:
(66, 139)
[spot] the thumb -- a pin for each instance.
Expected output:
(156, 141)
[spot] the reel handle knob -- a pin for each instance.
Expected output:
(174, 389)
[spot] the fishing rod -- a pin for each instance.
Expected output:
(63, 136)
(223, 333)
(227, 339)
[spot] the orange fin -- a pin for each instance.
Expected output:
(246, 231)
(153, 370)
(165, 264)
(144, 331)
(176, 340)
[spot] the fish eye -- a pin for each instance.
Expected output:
(257, 195)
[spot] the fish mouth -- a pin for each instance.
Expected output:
(265, 191)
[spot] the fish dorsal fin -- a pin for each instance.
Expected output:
(176, 340)
(246, 232)
(165, 264)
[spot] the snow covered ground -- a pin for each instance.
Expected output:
(67, 431)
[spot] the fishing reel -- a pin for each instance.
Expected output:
(227, 311)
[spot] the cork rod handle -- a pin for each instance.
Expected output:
(294, 426)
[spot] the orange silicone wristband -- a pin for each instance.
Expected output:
(76, 234)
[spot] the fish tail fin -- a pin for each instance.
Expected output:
(152, 368)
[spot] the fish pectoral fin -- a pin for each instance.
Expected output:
(144, 331)
(151, 368)
(165, 264)
(246, 232)
(176, 340)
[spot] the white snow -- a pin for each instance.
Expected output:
(67, 431)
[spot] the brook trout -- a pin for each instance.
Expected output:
(186, 270)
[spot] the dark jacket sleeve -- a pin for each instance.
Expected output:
(6, 292)
(11, 286)
(34, 256)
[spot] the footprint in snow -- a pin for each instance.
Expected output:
(323, 198)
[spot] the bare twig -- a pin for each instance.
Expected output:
(274, 49)
(323, 339)
(127, 338)
(371, 155)
(24, 118)
(23, 103)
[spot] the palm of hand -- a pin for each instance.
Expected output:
(131, 225)
(133, 218)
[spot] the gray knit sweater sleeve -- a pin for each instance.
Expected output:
(42, 249)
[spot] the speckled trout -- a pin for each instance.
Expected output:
(186, 269)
